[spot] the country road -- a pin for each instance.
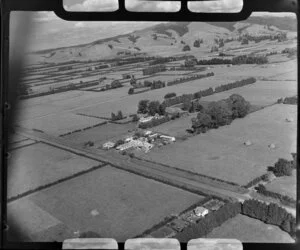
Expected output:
(171, 176)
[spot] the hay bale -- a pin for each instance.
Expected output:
(272, 146)
(248, 143)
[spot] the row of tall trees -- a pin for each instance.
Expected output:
(270, 214)
(243, 59)
(189, 78)
(236, 84)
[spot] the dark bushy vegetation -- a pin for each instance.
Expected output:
(154, 122)
(256, 180)
(186, 48)
(189, 78)
(209, 222)
(170, 95)
(220, 113)
(162, 60)
(244, 59)
(235, 84)
(282, 168)
(117, 117)
(291, 100)
(151, 108)
(270, 214)
(154, 69)
(131, 91)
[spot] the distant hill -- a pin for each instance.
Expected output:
(165, 39)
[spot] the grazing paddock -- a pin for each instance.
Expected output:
(40, 164)
(285, 185)
(127, 204)
(175, 127)
(129, 103)
(221, 153)
(61, 123)
(101, 134)
(247, 229)
(259, 93)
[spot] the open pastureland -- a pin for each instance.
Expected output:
(247, 229)
(101, 134)
(221, 152)
(259, 93)
(39, 164)
(61, 123)
(110, 202)
(284, 185)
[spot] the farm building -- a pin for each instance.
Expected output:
(146, 119)
(108, 145)
(135, 144)
(200, 211)
(169, 138)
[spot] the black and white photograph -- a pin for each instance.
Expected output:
(155, 129)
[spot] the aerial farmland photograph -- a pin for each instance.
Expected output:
(178, 130)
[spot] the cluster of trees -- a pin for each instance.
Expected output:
(197, 43)
(289, 51)
(220, 113)
(291, 100)
(154, 122)
(118, 116)
(209, 222)
(284, 199)
(219, 42)
(151, 108)
(283, 167)
(170, 95)
(131, 60)
(113, 85)
(236, 84)
(270, 214)
(186, 48)
(154, 69)
(189, 78)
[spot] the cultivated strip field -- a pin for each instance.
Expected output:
(220, 153)
(40, 164)
(125, 204)
(247, 229)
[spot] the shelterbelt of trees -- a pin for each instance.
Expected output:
(243, 59)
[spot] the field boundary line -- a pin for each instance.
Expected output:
(37, 189)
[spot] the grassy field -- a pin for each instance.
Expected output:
(221, 153)
(285, 185)
(126, 204)
(40, 164)
(247, 229)
(61, 123)
(259, 93)
(101, 134)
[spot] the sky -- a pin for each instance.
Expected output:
(49, 31)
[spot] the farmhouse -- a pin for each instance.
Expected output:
(135, 144)
(200, 211)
